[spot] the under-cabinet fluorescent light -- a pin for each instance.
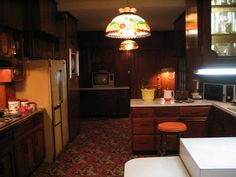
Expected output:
(216, 71)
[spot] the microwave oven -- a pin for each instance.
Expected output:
(219, 92)
(102, 79)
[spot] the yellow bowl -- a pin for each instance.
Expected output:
(148, 94)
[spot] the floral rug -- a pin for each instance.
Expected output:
(101, 150)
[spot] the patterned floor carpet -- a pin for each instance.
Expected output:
(100, 150)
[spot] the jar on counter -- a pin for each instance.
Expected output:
(32, 106)
(24, 102)
(13, 106)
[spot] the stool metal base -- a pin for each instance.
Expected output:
(164, 135)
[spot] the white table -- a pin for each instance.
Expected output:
(209, 157)
(199, 157)
(155, 167)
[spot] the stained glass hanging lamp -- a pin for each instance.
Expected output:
(128, 45)
(128, 25)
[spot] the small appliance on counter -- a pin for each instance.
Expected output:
(195, 95)
(181, 95)
(148, 94)
(168, 94)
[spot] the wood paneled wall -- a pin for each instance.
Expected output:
(98, 52)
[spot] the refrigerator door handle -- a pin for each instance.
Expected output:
(60, 85)
(57, 106)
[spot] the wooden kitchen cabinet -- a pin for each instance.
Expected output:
(24, 156)
(221, 124)
(11, 14)
(29, 147)
(144, 120)
(7, 168)
(67, 35)
(40, 37)
(40, 15)
(143, 129)
(196, 120)
(22, 147)
(38, 45)
(107, 102)
(166, 114)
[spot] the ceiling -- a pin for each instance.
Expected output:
(94, 15)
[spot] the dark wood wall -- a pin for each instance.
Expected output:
(98, 52)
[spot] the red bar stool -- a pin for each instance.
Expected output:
(170, 128)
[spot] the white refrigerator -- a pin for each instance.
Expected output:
(46, 85)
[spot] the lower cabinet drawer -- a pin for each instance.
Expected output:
(143, 125)
(142, 112)
(143, 143)
(194, 111)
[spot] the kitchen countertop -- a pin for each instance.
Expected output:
(105, 88)
(227, 107)
(160, 102)
(16, 119)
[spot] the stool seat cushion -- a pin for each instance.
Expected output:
(172, 127)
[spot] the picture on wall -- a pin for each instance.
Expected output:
(73, 63)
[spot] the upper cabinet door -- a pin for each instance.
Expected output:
(40, 15)
(223, 27)
(11, 14)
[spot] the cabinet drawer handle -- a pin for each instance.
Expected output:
(144, 125)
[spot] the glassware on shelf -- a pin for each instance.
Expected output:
(224, 49)
(223, 2)
(223, 27)
(223, 22)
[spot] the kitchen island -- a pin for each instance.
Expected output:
(199, 157)
(202, 117)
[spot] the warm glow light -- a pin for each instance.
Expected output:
(128, 45)
(170, 73)
(217, 71)
(127, 25)
(6, 75)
